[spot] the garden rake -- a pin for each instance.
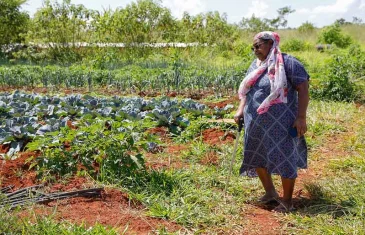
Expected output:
(239, 129)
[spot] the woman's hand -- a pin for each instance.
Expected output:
(301, 125)
(238, 116)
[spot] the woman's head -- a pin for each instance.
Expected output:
(263, 42)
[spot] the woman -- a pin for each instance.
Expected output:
(273, 100)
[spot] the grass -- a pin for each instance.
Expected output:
(338, 201)
(194, 196)
(198, 200)
(10, 224)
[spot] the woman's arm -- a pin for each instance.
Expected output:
(303, 99)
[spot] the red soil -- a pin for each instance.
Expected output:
(222, 104)
(113, 209)
(172, 94)
(16, 172)
(71, 125)
(4, 148)
(76, 183)
(176, 149)
(261, 221)
(210, 158)
(162, 133)
(172, 151)
(216, 136)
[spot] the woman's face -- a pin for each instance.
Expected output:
(261, 48)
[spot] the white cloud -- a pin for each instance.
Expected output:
(362, 5)
(257, 8)
(178, 7)
(327, 14)
(340, 6)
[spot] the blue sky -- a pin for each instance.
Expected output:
(318, 12)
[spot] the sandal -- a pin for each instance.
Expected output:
(268, 200)
(282, 208)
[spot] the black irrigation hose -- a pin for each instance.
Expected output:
(22, 197)
(47, 199)
(23, 190)
(26, 196)
(6, 189)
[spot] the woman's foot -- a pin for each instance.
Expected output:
(284, 207)
(269, 198)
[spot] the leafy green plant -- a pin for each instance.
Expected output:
(306, 28)
(333, 35)
(338, 85)
(293, 45)
(13, 21)
(342, 73)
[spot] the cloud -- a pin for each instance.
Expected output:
(178, 7)
(327, 14)
(258, 8)
(340, 6)
(362, 5)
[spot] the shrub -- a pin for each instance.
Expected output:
(333, 35)
(241, 48)
(293, 45)
(306, 27)
(341, 74)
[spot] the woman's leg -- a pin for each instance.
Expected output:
(288, 188)
(266, 181)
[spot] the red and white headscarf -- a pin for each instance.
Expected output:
(274, 65)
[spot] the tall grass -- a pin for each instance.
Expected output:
(357, 32)
(288, 34)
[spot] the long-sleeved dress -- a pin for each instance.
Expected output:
(267, 142)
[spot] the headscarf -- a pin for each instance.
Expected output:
(274, 64)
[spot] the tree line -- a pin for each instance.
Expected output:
(60, 24)
(142, 21)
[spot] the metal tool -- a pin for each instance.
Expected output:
(239, 129)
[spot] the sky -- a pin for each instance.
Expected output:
(318, 12)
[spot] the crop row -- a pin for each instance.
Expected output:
(25, 116)
(131, 79)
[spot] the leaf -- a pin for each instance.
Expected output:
(136, 159)
(14, 148)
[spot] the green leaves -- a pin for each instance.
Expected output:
(333, 35)
(342, 73)
(13, 22)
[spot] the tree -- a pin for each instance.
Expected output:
(280, 20)
(60, 23)
(60, 26)
(341, 21)
(13, 22)
(144, 21)
(255, 24)
(217, 27)
(356, 20)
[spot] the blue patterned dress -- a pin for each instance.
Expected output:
(267, 142)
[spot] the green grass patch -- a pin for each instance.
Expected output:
(10, 224)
